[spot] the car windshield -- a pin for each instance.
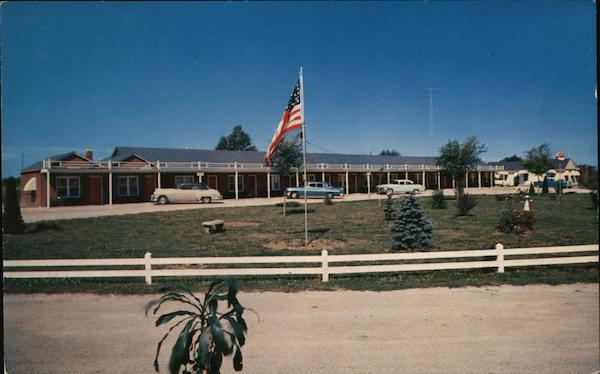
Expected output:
(184, 187)
(200, 186)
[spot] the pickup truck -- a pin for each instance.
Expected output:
(400, 186)
(314, 189)
(186, 193)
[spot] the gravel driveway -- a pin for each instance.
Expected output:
(528, 329)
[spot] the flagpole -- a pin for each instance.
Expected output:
(304, 157)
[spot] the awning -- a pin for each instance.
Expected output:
(31, 185)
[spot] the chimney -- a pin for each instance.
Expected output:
(89, 154)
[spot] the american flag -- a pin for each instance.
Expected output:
(291, 119)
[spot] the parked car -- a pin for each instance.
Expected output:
(552, 183)
(400, 186)
(186, 193)
(314, 189)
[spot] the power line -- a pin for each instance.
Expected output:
(430, 95)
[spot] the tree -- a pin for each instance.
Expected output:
(410, 229)
(538, 160)
(389, 210)
(286, 158)
(238, 140)
(512, 158)
(12, 221)
(456, 158)
(389, 152)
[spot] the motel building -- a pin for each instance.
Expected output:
(131, 174)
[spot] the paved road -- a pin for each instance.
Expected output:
(530, 329)
(88, 211)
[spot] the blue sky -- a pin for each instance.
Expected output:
(98, 75)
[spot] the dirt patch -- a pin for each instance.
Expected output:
(234, 224)
(298, 244)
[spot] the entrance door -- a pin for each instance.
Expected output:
(251, 185)
(149, 186)
(95, 190)
(212, 182)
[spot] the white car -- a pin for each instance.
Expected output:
(400, 186)
(186, 193)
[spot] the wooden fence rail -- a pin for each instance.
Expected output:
(496, 259)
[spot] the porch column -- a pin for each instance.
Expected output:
(424, 183)
(236, 181)
(492, 178)
(48, 188)
(158, 177)
(347, 180)
(453, 182)
(439, 179)
(200, 175)
(110, 184)
(479, 178)
(297, 178)
(388, 177)
(406, 175)
(467, 180)
(322, 172)
(269, 184)
(369, 183)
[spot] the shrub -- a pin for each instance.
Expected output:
(46, 226)
(515, 222)
(504, 197)
(437, 200)
(389, 210)
(594, 197)
(289, 204)
(328, 200)
(531, 190)
(545, 185)
(410, 229)
(464, 202)
(207, 335)
(12, 220)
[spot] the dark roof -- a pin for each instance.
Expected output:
(518, 165)
(38, 165)
(191, 155)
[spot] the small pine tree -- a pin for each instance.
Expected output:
(389, 210)
(410, 229)
(531, 190)
(437, 200)
(545, 185)
(12, 221)
(464, 202)
(327, 200)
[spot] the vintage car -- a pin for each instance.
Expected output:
(400, 186)
(553, 183)
(314, 189)
(186, 193)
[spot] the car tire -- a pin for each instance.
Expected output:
(294, 195)
(206, 200)
(162, 200)
(330, 195)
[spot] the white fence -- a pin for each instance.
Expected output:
(497, 259)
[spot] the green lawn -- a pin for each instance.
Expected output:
(359, 225)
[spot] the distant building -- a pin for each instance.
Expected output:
(516, 175)
(131, 174)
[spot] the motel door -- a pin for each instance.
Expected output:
(212, 182)
(95, 190)
(149, 186)
(252, 186)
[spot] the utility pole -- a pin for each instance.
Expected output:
(430, 95)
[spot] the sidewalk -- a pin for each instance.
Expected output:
(89, 211)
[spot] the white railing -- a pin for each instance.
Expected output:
(497, 260)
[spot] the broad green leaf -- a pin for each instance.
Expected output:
(180, 352)
(238, 362)
(216, 359)
(169, 316)
(238, 330)
(162, 340)
(203, 342)
(219, 335)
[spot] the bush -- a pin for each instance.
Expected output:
(389, 210)
(515, 222)
(327, 200)
(594, 197)
(531, 190)
(46, 226)
(437, 200)
(504, 197)
(12, 220)
(464, 202)
(410, 229)
(289, 204)
(545, 185)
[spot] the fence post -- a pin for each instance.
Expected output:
(500, 257)
(148, 267)
(325, 265)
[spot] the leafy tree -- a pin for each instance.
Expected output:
(512, 158)
(207, 335)
(238, 140)
(538, 160)
(389, 152)
(287, 158)
(411, 230)
(12, 220)
(437, 200)
(456, 158)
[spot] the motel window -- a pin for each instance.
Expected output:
(328, 178)
(67, 187)
(525, 177)
(342, 181)
(275, 182)
(311, 177)
(128, 186)
(179, 179)
(231, 180)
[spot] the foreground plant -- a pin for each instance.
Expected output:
(411, 230)
(207, 334)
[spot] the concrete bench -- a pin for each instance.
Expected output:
(217, 225)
